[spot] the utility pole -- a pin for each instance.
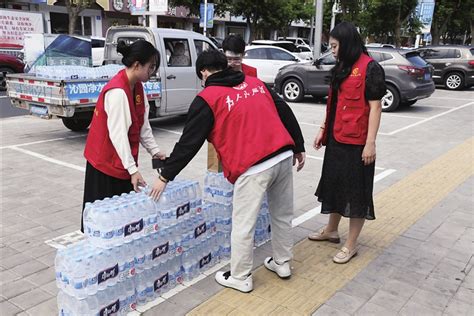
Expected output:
(205, 18)
(333, 15)
(318, 29)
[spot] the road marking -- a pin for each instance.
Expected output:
(447, 98)
(167, 130)
(48, 159)
(403, 116)
(429, 119)
(3, 96)
(42, 141)
(313, 212)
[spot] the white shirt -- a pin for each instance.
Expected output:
(119, 121)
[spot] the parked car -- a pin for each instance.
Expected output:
(9, 64)
(453, 65)
(302, 53)
(295, 40)
(268, 60)
(408, 77)
(380, 45)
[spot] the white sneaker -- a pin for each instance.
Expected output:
(225, 279)
(283, 270)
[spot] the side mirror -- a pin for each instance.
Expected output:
(317, 62)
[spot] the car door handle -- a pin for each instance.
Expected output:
(171, 77)
(448, 64)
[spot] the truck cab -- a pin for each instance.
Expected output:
(178, 51)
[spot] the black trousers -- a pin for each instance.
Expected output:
(98, 186)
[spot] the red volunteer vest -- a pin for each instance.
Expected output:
(249, 70)
(351, 123)
(247, 127)
(99, 150)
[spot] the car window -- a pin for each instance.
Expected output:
(258, 53)
(277, 54)
(379, 57)
(304, 49)
(328, 60)
(472, 51)
(416, 60)
(202, 46)
(435, 53)
(177, 52)
(453, 53)
(288, 46)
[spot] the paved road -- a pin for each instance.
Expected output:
(6, 110)
(41, 191)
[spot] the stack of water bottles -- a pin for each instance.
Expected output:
(65, 72)
(219, 193)
(136, 250)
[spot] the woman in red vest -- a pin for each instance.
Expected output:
(349, 130)
(119, 125)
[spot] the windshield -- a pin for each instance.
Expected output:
(288, 46)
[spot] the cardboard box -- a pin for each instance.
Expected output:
(213, 163)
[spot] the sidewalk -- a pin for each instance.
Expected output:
(415, 259)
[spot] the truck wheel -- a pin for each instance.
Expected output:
(76, 124)
(3, 77)
(391, 99)
(293, 90)
(454, 81)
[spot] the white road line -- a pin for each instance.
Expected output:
(321, 158)
(46, 158)
(43, 141)
(447, 98)
(403, 116)
(167, 130)
(429, 119)
(313, 212)
(3, 96)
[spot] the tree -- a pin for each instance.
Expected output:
(74, 7)
(288, 12)
(452, 18)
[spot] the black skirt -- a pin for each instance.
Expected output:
(346, 184)
(98, 185)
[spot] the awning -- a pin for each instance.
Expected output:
(103, 3)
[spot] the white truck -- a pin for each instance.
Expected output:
(73, 100)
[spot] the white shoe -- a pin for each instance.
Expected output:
(283, 270)
(225, 279)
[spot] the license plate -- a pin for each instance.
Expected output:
(427, 76)
(39, 110)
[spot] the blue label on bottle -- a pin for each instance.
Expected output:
(106, 274)
(205, 260)
(160, 250)
(182, 210)
(92, 281)
(133, 228)
(201, 229)
(160, 282)
(110, 309)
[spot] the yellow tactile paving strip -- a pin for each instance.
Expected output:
(315, 277)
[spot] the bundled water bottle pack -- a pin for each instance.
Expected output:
(137, 249)
(219, 192)
(65, 72)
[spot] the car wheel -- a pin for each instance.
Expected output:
(3, 79)
(293, 90)
(76, 124)
(454, 81)
(391, 99)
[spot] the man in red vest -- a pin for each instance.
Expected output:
(234, 49)
(257, 139)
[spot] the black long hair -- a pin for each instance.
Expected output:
(141, 51)
(351, 47)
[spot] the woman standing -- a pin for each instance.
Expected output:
(349, 131)
(119, 125)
